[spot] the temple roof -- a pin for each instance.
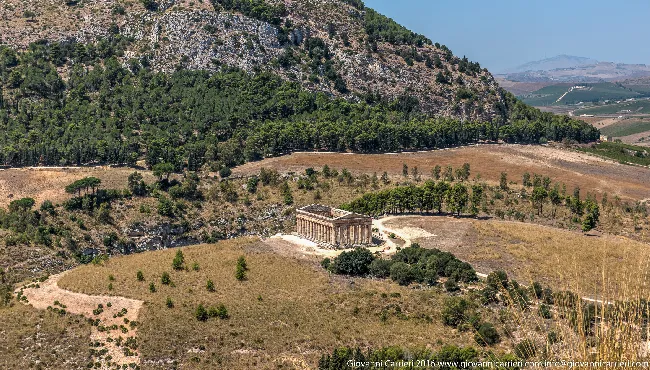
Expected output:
(330, 212)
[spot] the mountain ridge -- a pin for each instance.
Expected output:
(206, 36)
(546, 64)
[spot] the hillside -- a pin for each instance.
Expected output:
(337, 47)
(219, 84)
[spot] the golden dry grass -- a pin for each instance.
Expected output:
(288, 312)
(562, 259)
(49, 183)
(30, 338)
(591, 174)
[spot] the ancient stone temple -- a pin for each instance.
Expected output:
(333, 226)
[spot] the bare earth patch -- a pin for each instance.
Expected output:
(49, 292)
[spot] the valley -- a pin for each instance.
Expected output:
(290, 184)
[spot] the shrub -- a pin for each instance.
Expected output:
(240, 272)
(451, 285)
(165, 279)
(498, 280)
(380, 268)
(225, 172)
(140, 276)
(170, 303)
(165, 207)
(326, 263)
(210, 286)
(544, 311)
(402, 273)
(552, 337)
(455, 311)
(195, 266)
(355, 262)
(487, 335)
(152, 287)
(220, 312)
(178, 261)
(201, 313)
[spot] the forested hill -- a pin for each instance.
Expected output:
(338, 47)
(119, 85)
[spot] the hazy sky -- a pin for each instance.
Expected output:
(505, 33)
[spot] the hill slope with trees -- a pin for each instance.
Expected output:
(108, 92)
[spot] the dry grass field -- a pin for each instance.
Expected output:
(287, 313)
(36, 339)
(595, 266)
(590, 173)
(49, 183)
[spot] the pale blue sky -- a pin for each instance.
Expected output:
(505, 33)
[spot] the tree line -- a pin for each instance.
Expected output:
(460, 197)
(106, 112)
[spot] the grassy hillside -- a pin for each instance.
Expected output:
(286, 313)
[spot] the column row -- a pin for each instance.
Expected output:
(315, 230)
(352, 234)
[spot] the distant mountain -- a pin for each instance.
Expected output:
(567, 68)
(556, 62)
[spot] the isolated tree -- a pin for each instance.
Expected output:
(287, 195)
(405, 170)
(251, 184)
(163, 169)
(242, 267)
(136, 185)
(179, 260)
(592, 215)
(23, 204)
(526, 180)
(210, 286)
(503, 182)
(538, 197)
(555, 198)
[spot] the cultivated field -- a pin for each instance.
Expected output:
(47, 183)
(595, 266)
(590, 173)
(287, 313)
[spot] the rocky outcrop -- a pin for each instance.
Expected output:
(192, 35)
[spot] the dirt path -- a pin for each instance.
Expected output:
(114, 321)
